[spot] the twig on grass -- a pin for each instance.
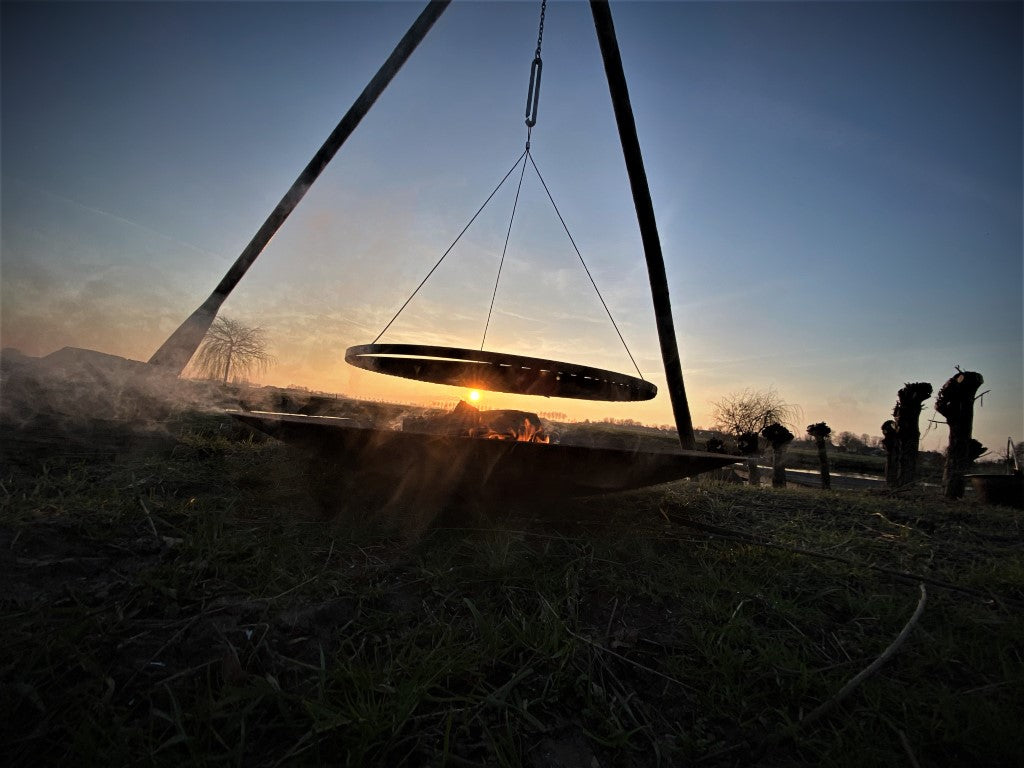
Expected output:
(871, 668)
(906, 748)
(608, 631)
(989, 687)
(757, 751)
(292, 589)
(303, 744)
(149, 518)
(619, 656)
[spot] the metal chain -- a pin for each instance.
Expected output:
(540, 32)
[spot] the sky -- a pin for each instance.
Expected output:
(838, 190)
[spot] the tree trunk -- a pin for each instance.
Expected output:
(778, 437)
(907, 414)
(826, 479)
(626, 124)
(227, 361)
(753, 471)
(956, 402)
(890, 442)
(748, 445)
(778, 467)
(820, 433)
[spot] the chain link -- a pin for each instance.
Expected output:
(540, 32)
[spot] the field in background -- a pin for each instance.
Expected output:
(177, 597)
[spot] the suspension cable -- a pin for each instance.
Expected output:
(424, 280)
(585, 267)
(532, 98)
(504, 249)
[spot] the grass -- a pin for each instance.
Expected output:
(190, 605)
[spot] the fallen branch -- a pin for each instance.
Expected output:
(906, 748)
(756, 752)
(871, 668)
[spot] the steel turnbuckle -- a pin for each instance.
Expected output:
(533, 92)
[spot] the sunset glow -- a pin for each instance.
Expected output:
(831, 226)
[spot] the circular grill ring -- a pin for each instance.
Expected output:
(498, 372)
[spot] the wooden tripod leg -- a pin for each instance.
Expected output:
(645, 216)
(175, 353)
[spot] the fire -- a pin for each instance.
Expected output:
(469, 421)
(525, 432)
(474, 395)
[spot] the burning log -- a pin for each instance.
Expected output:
(890, 442)
(906, 413)
(955, 401)
(467, 421)
(820, 433)
(778, 437)
(748, 446)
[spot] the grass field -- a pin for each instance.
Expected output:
(186, 604)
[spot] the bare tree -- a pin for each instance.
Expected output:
(778, 437)
(850, 443)
(744, 414)
(820, 433)
(232, 348)
(752, 410)
(955, 401)
(910, 401)
(890, 442)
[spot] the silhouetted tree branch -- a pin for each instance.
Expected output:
(230, 347)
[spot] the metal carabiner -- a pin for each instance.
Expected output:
(533, 92)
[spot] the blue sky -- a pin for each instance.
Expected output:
(837, 185)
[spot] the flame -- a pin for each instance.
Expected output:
(525, 433)
(468, 421)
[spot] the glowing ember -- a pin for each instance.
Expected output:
(468, 421)
(524, 432)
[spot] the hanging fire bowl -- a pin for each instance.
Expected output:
(498, 372)
(445, 465)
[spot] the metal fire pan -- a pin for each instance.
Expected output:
(498, 372)
(448, 464)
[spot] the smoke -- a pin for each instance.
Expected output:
(78, 387)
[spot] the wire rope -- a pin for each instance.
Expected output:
(532, 98)
(449, 250)
(586, 269)
(504, 249)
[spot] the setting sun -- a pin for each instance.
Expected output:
(474, 395)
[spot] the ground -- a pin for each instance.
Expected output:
(179, 597)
